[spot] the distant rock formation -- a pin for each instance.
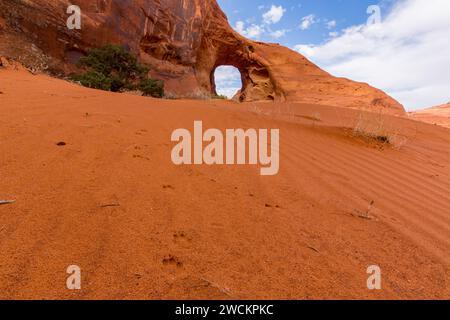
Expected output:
(439, 115)
(183, 41)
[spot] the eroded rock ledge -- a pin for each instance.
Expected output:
(183, 41)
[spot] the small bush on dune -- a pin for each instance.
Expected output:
(112, 68)
(372, 126)
(151, 87)
(114, 60)
(93, 79)
(381, 129)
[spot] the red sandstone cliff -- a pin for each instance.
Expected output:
(183, 41)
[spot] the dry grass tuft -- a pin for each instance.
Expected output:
(377, 128)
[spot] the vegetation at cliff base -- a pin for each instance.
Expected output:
(219, 97)
(152, 87)
(113, 68)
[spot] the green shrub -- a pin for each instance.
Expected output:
(114, 59)
(113, 68)
(93, 79)
(151, 87)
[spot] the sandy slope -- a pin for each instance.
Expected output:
(212, 232)
(439, 115)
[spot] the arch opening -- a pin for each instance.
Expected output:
(226, 81)
(242, 80)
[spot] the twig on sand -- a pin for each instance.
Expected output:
(110, 205)
(365, 215)
(313, 249)
(7, 201)
(223, 290)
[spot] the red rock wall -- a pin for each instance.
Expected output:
(183, 41)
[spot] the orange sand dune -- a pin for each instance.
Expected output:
(112, 202)
(439, 115)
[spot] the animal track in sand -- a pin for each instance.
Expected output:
(181, 236)
(141, 132)
(171, 260)
(138, 156)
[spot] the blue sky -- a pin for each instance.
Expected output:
(345, 13)
(336, 35)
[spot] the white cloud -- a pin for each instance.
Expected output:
(333, 34)
(255, 30)
(307, 22)
(252, 31)
(274, 15)
(305, 49)
(240, 27)
(331, 24)
(278, 33)
(407, 55)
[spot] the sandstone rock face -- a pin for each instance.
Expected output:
(183, 42)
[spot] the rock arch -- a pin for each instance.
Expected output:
(255, 78)
(257, 82)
